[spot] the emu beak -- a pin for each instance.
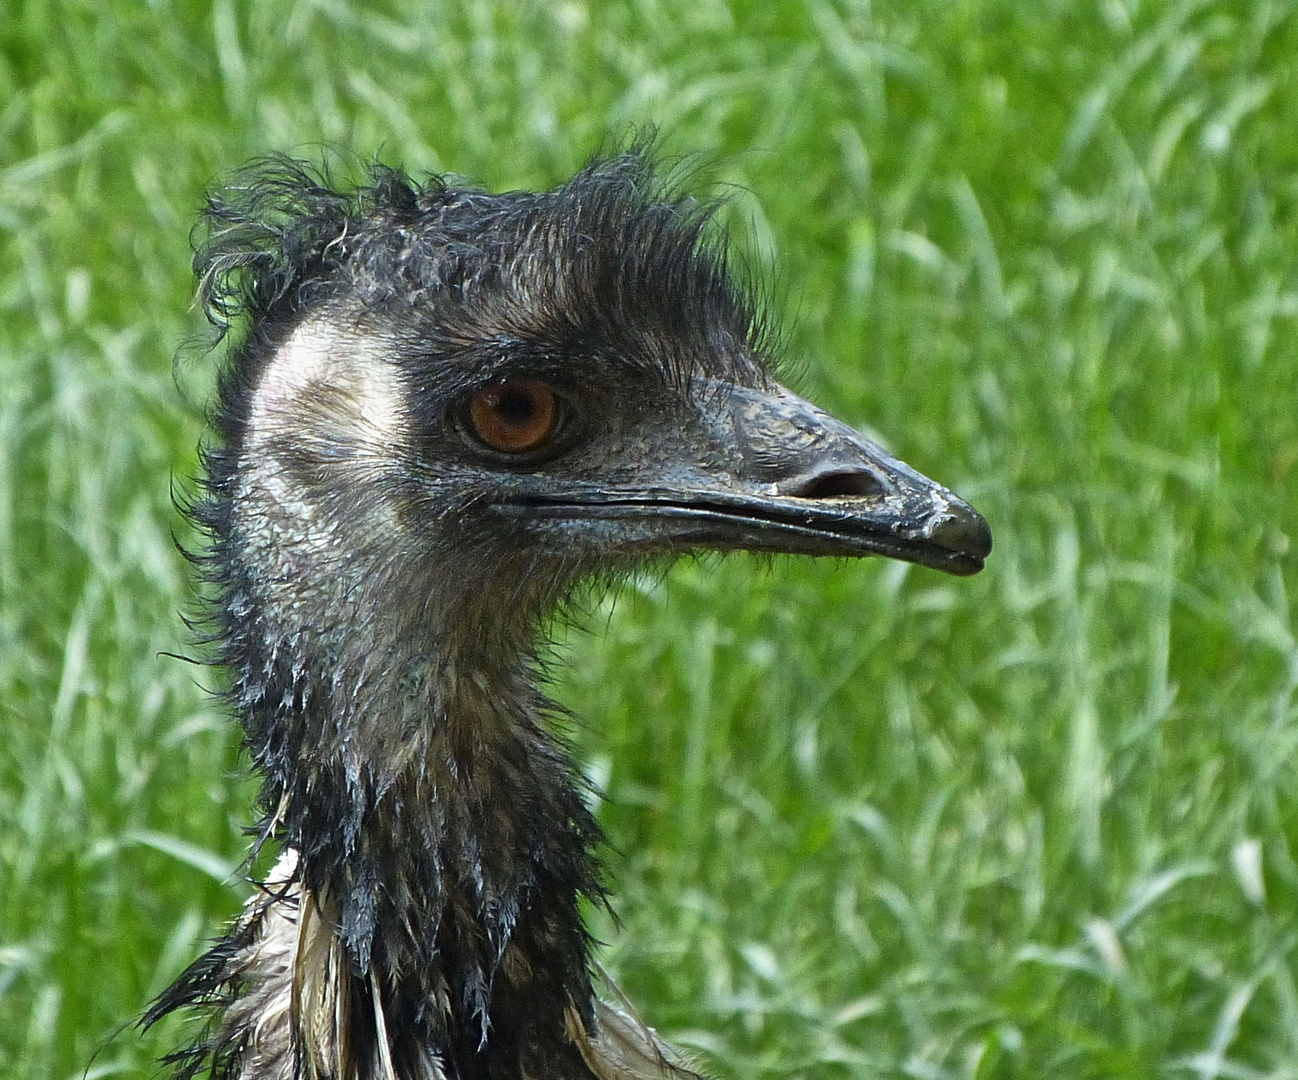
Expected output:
(771, 472)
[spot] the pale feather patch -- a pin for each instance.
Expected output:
(624, 1047)
(263, 1013)
(293, 1013)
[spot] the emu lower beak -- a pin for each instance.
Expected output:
(773, 473)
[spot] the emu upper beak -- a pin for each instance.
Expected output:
(771, 472)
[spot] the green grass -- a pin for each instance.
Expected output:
(866, 821)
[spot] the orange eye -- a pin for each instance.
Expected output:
(514, 416)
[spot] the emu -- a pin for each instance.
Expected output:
(445, 410)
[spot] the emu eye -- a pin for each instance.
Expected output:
(515, 416)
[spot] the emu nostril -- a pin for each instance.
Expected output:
(854, 484)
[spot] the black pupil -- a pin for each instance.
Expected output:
(515, 407)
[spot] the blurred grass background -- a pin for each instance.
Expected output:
(866, 821)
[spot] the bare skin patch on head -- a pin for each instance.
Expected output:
(325, 425)
(324, 372)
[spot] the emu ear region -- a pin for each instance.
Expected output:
(320, 459)
(766, 471)
(327, 388)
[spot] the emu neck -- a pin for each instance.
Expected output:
(442, 834)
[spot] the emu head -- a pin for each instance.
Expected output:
(453, 406)
(448, 409)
